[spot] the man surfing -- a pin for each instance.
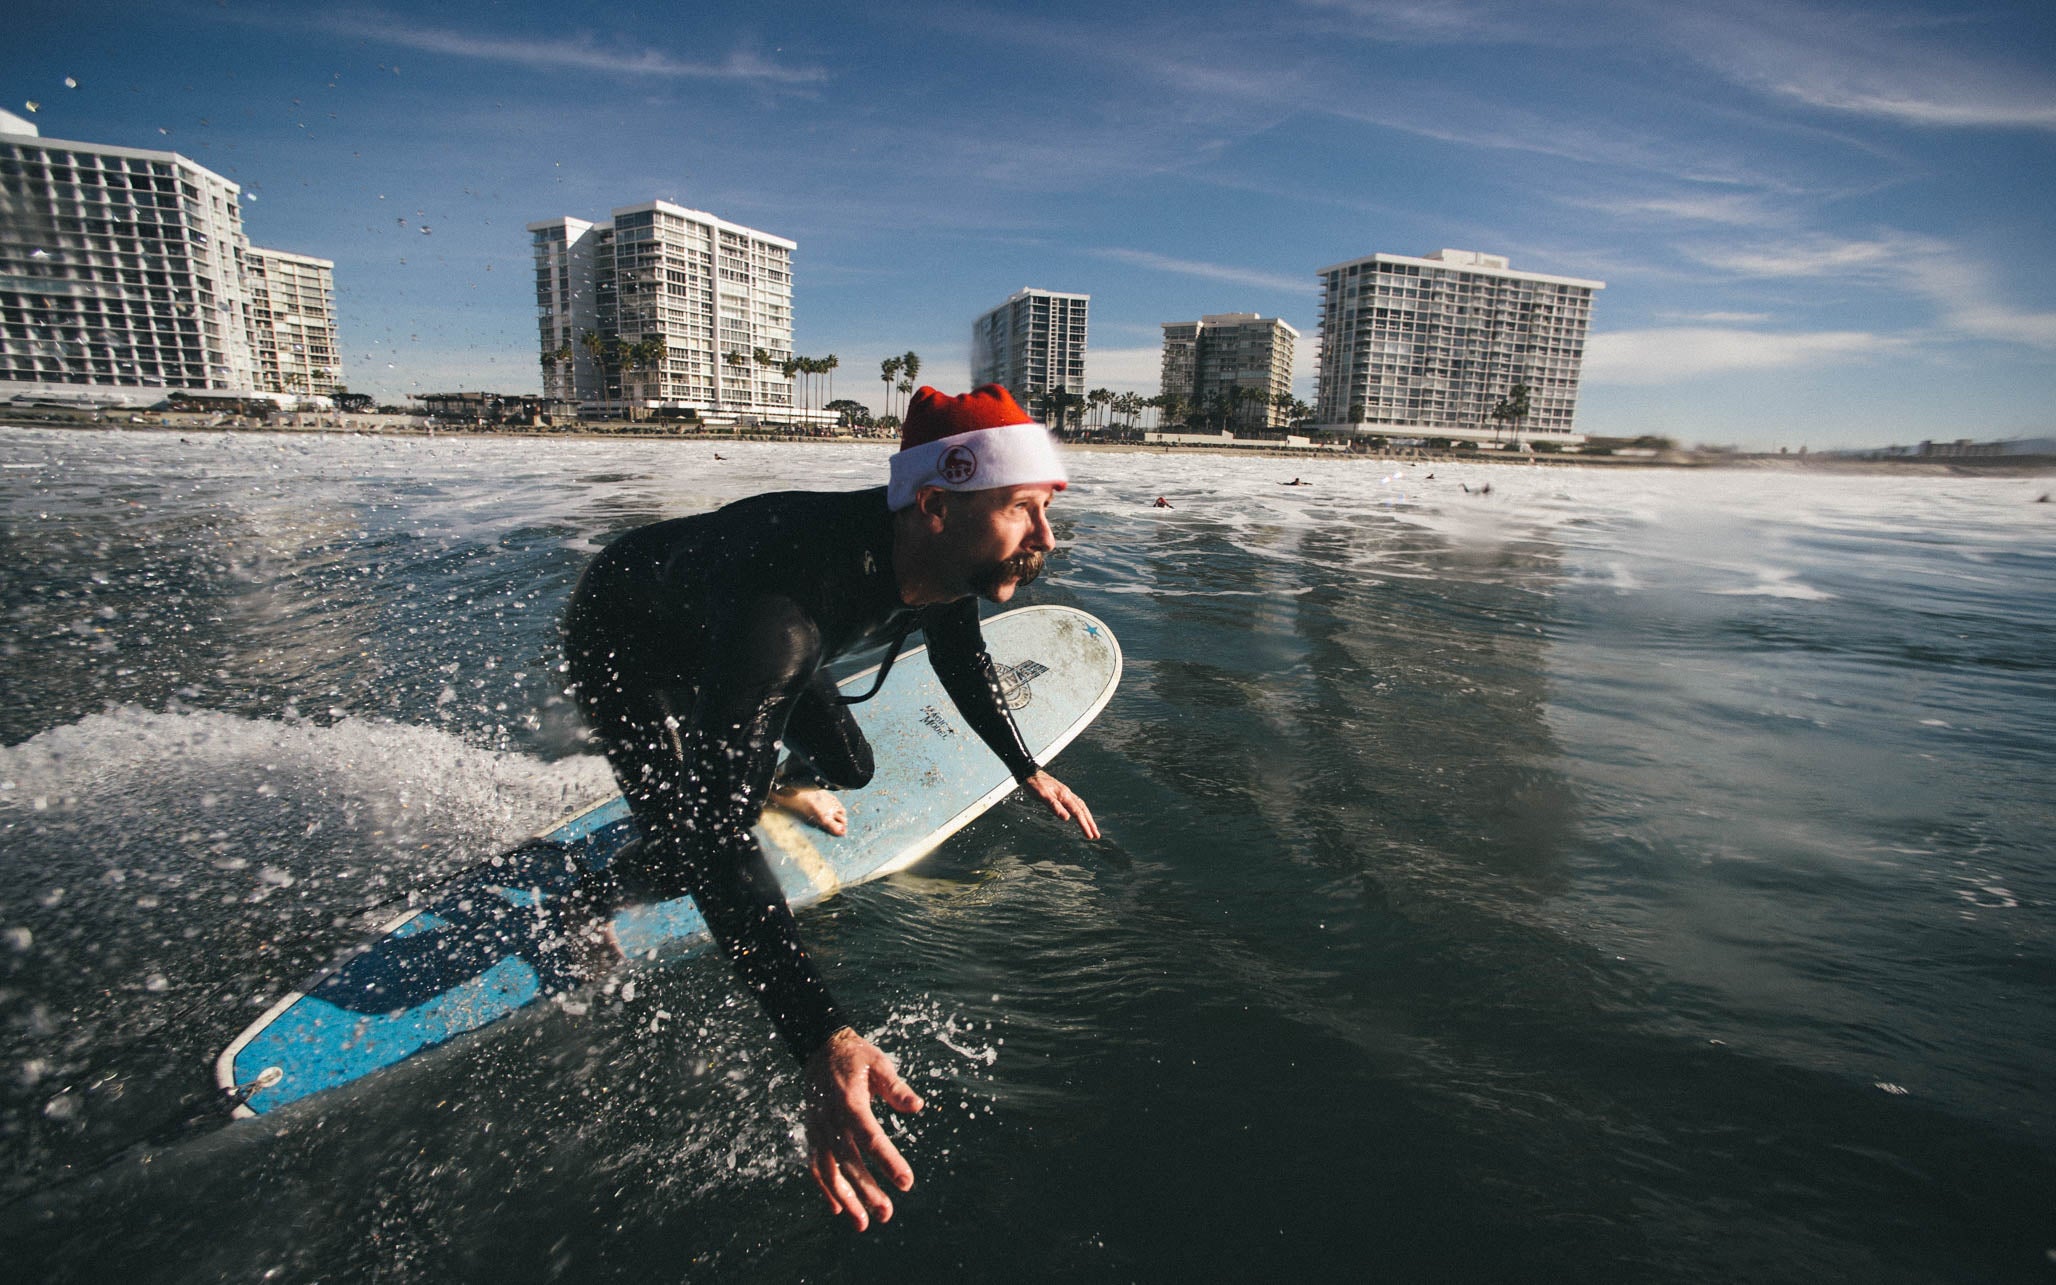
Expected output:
(696, 649)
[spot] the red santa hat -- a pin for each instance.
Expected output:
(970, 443)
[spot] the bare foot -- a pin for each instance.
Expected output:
(816, 807)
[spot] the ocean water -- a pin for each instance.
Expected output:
(1613, 876)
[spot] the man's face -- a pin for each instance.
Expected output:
(1002, 535)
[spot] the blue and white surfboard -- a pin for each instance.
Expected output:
(484, 948)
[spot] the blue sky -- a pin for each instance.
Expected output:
(1819, 224)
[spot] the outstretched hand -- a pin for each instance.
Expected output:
(842, 1077)
(1066, 805)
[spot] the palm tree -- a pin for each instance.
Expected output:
(738, 361)
(1127, 405)
(1055, 403)
(1098, 399)
(614, 357)
(647, 355)
(1171, 409)
(910, 364)
(888, 370)
(768, 359)
(554, 362)
(828, 365)
(1517, 407)
(790, 367)
(596, 348)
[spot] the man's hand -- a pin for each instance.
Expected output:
(842, 1077)
(1066, 805)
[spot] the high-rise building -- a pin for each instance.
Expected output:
(1231, 365)
(1032, 344)
(1432, 346)
(665, 308)
(125, 276)
(292, 321)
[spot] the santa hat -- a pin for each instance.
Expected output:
(970, 443)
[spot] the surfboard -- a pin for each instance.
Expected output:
(484, 946)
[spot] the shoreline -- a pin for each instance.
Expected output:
(1971, 466)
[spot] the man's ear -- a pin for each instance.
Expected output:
(932, 503)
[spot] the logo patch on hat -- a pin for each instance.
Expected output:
(959, 465)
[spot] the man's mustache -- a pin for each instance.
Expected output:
(1024, 566)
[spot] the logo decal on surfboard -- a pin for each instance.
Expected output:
(1014, 680)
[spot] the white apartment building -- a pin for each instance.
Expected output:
(125, 277)
(1031, 344)
(292, 321)
(1429, 346)
(1231, 365)
(713, 294)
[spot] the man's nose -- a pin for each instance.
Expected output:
(1044, 538)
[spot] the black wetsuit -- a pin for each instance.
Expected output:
(696, 646)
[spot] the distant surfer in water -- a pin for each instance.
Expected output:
(1161, 503)
(695, 648)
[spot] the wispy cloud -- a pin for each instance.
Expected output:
(1970, 302)
(1468, 22)
(572, 53)
(1967, 296)
(1860, 61)
(1680, 354)
(1720, 318)
(1735, 209)
(1800, 257)
(1207, 271)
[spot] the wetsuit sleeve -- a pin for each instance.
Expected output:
(956, 650)
(763, 656)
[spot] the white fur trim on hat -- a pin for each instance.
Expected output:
(1010, 455)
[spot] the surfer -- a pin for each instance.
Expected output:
(695, 648)
(1161, 503)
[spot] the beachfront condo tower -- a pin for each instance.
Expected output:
(1230, 368)
(661, 309)
(292, 321)
(125, 278)
(1032, 345)
(1433, 346)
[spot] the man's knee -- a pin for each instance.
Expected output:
(858, 771)
(852, 771)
